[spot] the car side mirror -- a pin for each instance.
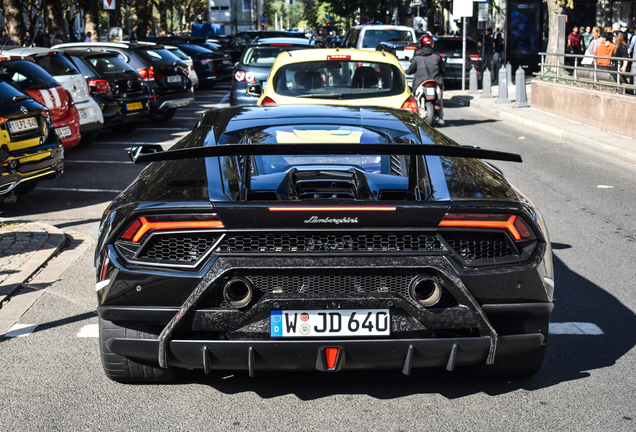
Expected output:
(134, 152)
(254, 90)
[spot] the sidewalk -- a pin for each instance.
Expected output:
(573, 132)
(28, 265)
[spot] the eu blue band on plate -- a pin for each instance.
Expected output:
(276, 323)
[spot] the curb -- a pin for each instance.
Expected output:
(56, 242)
(573, 137)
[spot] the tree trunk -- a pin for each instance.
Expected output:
(91, 17)
(163, 19)
(554, 10)
(13, 18)
(54, 14)
(143, 11)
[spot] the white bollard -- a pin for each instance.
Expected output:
(473, 87)
(522, 98)
(486, 84)
(503, 86)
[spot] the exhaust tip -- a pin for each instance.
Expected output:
(238, 292)
(426, 290)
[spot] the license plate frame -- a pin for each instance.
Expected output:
(84, 113)
(172, 79)
(63, 132)
(23, 125)
(330, 323)
(134, 106)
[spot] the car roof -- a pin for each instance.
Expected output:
(382, 27)
(394, 44)
(321, 54)
(285, 40)
(25, 51)
(89, 52)
(119, 45)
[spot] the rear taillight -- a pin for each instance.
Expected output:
(146, 224)
(410, 104)
(98, 86)
(242, 76)
(515, 225)
(158, 76)
(148, 74)
(475, 57)
(268, 101)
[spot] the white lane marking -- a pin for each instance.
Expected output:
(80, 190)
(21, 330)
(47, 98)
(102, 284)
(575, 328)
(95, 228)
(89, 331)
(96, 162)
(604, 187)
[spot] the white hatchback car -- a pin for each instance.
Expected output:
(58, 64)
(367, 37)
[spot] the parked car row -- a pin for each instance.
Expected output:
(56, 98)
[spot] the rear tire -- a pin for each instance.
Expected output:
(162, 116)
(25, 187)
(122, 369)
(125, 127)
(430, 113)
(87, 139)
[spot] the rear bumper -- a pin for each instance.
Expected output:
(71, 120)
(402, 354)
(171, 100)
(45, 162)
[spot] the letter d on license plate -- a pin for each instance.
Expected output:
(330, 323)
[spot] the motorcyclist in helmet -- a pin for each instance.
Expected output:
(427, 64)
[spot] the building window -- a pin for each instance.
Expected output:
(247, 5)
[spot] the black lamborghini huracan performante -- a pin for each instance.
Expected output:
(321, 238)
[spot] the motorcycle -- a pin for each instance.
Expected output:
(428, 95)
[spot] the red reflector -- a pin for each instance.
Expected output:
(268, 101)
(338, 57)
(440, 54)
(312, 209)
(105, 268)
(332, 355)
(132, 229)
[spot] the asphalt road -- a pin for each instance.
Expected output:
(53, 380)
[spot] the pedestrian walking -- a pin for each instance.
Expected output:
(498, 58)
(488, 48)
(588, 37)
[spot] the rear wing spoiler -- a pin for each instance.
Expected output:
(155, 153)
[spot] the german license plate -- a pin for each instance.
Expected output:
(63, 132)
(330, 323)
(134, 106)
(22, 125)
(455, 61)
(84, 113)
(174, 78)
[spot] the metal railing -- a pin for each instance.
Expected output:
(592, 76)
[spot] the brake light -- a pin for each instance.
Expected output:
(441, 54)
(268, 101)
(242, 76)
(475, 57)
(338, 57)
(515, 225)
(148, 74)
(410, 47)
(144, 224)
(2, 120)
(98, 86)
(411, 105)
(315, 209)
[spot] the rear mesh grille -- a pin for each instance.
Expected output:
(330, 285)
(178, 248)
(330, 242)
(472, 246)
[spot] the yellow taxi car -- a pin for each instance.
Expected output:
(30, 150)
(336, 77)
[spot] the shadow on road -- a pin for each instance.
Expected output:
(569, 357)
